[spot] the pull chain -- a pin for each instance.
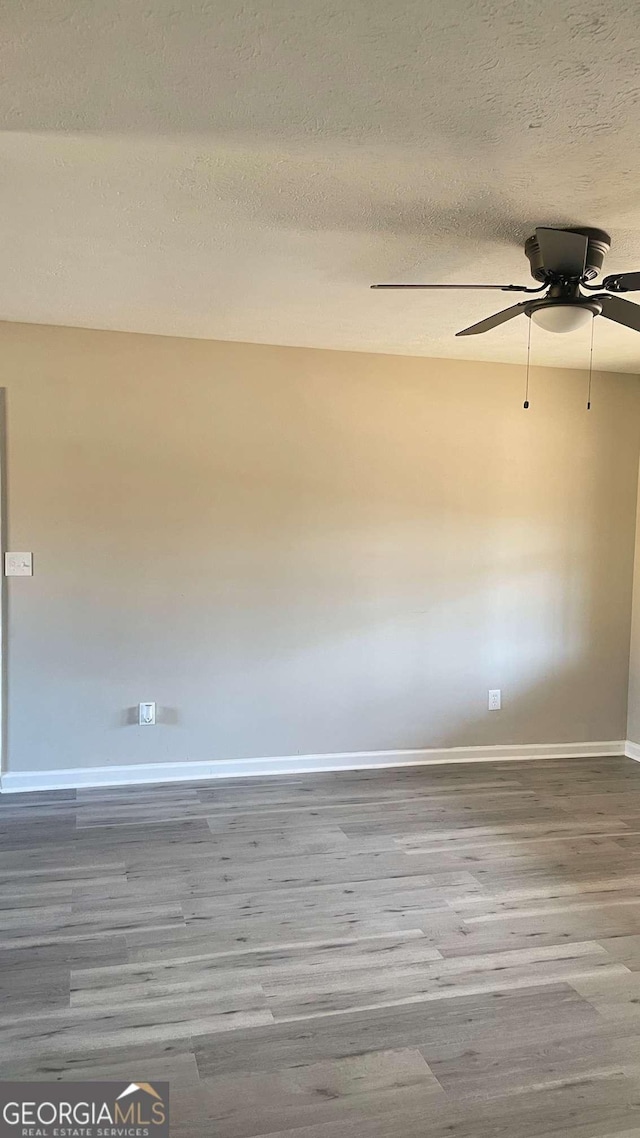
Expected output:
(590, 366)
(526, 391)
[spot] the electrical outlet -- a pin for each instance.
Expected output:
(146, 714)
(495, 699)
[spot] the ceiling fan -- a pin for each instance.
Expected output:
(564, 260)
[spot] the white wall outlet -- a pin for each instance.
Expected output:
(495, 699)
(18, 565)
(146, 714)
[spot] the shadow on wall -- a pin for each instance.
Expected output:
(318, 619)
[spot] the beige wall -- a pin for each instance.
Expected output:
(633, 717)
(294, 550)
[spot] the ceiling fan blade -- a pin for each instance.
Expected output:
(622, 311)
(493, 321)
(622, 282)
(562, 252)
(503, 288)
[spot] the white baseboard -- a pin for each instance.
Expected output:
(632, 750)
(139, 773)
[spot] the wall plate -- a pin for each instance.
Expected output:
(18, 564)
(146, 714)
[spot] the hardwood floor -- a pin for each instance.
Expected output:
(449, 950)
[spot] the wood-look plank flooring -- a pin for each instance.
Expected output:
(449, 950)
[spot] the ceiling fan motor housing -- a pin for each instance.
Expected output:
(598, 245)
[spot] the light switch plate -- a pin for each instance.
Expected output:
(18, 564)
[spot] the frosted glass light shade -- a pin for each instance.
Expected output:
(562, 317)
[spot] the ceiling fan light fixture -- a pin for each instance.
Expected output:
(562, 260)
(562, 317)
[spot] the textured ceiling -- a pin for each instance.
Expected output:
(243, 170)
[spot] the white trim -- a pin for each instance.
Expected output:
(632, 750)
(137, 773)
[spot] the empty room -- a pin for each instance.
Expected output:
(320, 604)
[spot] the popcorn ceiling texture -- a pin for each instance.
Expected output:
(243, 171)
